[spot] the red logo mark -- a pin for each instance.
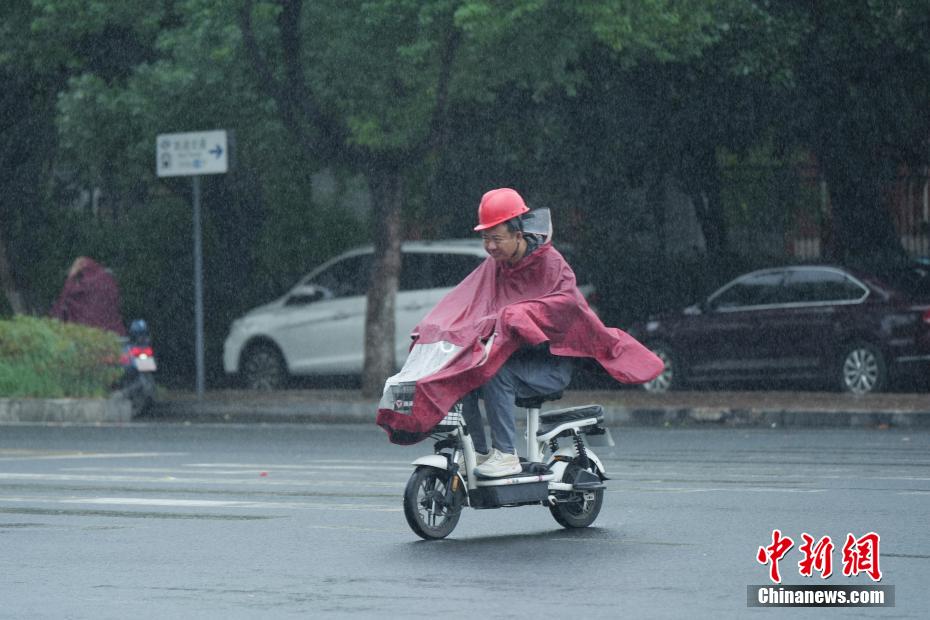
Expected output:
(861, 556)
(773, 553)
(816, 557)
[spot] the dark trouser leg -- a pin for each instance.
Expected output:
(524, 376)
(473, 420)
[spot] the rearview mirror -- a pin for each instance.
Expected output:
(307, 294)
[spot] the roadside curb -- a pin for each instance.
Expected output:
(115, 409)
(770, 418)
(356, 412)
(214, 412)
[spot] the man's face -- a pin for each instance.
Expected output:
(500, 243)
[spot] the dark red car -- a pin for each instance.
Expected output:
(821, 322)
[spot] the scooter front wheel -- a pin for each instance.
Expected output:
(576, 508)
(433, 508)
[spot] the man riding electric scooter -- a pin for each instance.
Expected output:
(506, 334)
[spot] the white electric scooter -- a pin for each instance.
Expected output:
(569, 479)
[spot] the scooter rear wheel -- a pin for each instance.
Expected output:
(576, 508)
(427, 507)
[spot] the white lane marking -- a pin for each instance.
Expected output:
(717, 490)
(238, 472)
(142, 501)
(353, 462)
(189, 503)
(29, 455)
(269, 480)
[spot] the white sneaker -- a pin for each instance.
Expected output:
(499, 464)
(479, 457)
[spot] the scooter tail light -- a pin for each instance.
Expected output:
(926, 317)
(141, 351)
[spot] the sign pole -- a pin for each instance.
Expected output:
(194, 154)
(198, 289)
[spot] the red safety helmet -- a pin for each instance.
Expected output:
(499, 205)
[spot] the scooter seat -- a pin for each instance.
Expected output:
(535, 402)
(550, 420)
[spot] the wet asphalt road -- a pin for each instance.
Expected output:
(247, 521)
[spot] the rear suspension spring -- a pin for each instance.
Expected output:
(580, 449)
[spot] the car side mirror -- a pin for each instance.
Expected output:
(698, 308)
(307, 294)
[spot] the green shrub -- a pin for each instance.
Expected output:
(45, 358)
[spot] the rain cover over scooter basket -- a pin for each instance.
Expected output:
(400, 390)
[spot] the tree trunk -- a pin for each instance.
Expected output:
(705, 194)
(13, 296)
(387, 197)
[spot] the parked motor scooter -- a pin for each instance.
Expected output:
(138, 361)
(566, 476)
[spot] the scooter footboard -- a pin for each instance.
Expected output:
(509, 495)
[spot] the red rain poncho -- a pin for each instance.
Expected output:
(91, 297)
(532, 302)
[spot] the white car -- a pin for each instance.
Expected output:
(318, 327)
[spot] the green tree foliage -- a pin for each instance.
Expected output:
(27, 99)
(261, 231)
(578, 104)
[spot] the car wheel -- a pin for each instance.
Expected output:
(669, 378)
(862, 369)
(263, 368)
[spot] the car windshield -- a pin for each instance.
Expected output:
(347, 277)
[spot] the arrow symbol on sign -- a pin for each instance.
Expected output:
(216, 150)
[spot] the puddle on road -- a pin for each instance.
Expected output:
(22, 526)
